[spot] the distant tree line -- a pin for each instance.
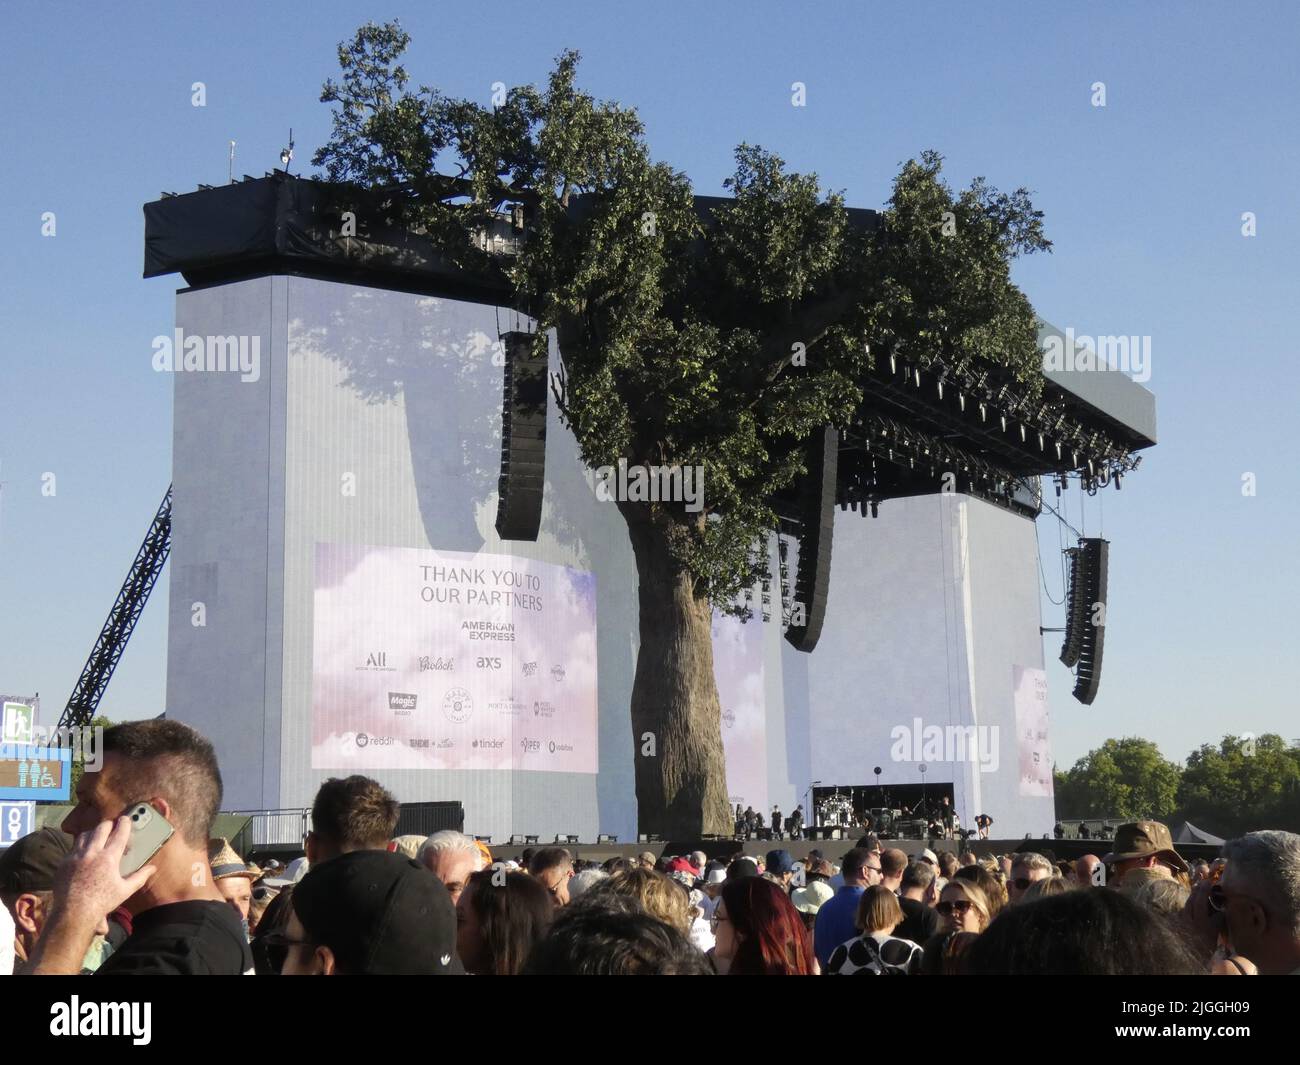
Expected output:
(1243, 784)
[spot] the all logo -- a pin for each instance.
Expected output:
(377, 662)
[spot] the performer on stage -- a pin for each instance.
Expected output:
(776, 823)
(796, 823)
(982, 822)
(945, 815)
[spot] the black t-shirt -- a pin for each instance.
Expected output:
(920, 922)
(199, 938)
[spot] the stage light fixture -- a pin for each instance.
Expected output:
(606, 838)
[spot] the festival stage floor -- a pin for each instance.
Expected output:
(833, 849)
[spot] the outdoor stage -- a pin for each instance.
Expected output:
(336, 516)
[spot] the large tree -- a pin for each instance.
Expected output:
(1126, 778)
(721, 339)
(1245, 783)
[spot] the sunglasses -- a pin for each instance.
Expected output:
(959, 907)
(1022, 883)
(273, 949)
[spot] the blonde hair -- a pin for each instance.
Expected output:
(655, 893)
(878, 911)
(975, 894)
(1041, 889)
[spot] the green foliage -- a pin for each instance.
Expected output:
(1237, 787)
(1242, 785)
(1126, 778)
(677, 331)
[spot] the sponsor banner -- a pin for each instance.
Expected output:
(738, 670)
(1033, 745)
(448, 660)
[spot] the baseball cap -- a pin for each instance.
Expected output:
(742, 867)
(779, 861)
(381, 914)
(29, 863)
(928, 855)
(682, 865)
(290, 874)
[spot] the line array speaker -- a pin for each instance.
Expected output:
(523, 439)
(817, 514)
(1093, 560)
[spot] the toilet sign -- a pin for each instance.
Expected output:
(17, 819)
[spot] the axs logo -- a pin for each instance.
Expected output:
(489, 663)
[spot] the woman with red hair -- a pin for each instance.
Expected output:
(758, 932)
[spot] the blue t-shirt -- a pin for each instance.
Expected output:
(835, 922)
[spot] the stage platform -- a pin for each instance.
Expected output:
(832, 849)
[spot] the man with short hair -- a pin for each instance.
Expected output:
(369, 913)
(967, 858)
(892, 864)
(181, 924)
(1259, 897)
(920, 921)
(27, 870)
(553, 866)
(1027, 868)
(453, 858)
(350, 814)
(836, 918)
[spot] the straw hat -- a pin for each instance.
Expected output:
(225, 862)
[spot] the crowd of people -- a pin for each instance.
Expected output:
(361, 900)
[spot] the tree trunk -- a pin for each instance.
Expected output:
(681, 772)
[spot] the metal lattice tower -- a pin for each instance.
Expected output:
(113, 637)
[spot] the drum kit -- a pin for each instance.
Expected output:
(836, 811)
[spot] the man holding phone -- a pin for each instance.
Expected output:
(181, 923)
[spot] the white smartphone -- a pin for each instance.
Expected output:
(149, 831)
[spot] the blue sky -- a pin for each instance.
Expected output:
(1143, 199)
